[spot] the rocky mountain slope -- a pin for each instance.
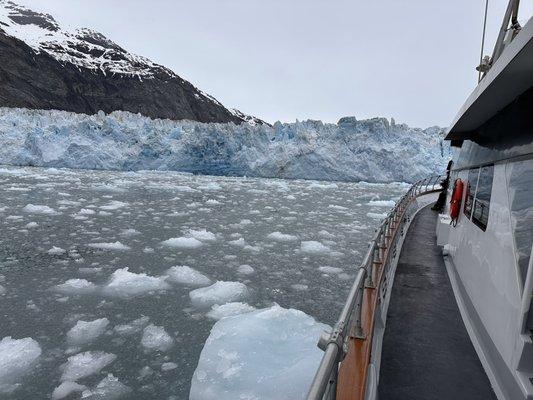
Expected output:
(43, 66)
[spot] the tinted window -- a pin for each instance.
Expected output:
(521, 202)
(480, 214)
(471, 184)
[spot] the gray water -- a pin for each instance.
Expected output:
(159, 206)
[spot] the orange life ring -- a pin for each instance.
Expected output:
(455, 202)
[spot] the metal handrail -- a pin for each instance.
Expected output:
(335, 343)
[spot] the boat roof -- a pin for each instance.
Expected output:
(510, 76)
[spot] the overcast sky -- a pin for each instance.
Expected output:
(283, 60)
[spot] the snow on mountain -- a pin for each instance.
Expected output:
(49, 67)
(351, 150)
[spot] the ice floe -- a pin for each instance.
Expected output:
(282, 237)
(155, 338)
(314, 247)
(124, 283)
(203, 235)
(245, 269)
(382, 203)
(85, 364)
(56, 251)
(187, 275)
(86, 331)
(110, 246)
(76, 286)
(109, 388)
(66, 389)
(133, 327)
(183, 242)
(39, 209)
(228, 310)
(218, 293)
(233, 366)
(17, 357)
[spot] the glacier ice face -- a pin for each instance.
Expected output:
(233, 366)
(370, 150)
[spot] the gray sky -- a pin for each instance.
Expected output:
(283, 60)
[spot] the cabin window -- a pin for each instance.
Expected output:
(481, 205)
(521, 203)
(471, 185)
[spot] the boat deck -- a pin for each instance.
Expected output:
(427, 353)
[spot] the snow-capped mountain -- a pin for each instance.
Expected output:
(44, 66)
(368, 150)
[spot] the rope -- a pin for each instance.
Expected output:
(483, 39)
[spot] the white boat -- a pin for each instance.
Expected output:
(440, 308)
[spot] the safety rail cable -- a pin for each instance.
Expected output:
(335, 343)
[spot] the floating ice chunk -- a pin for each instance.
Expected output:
(110, 246)
(32, 224)
(113, 205)
(183, 242)
(300, 287)
(89, 270)
(133, 327)
(212, 202)
(238, 242)
(337, 207)
(218, 293)
(187, 276)
(282, 237)
(128, 284)
(156, 338)
(39, 209)
(168, 366)
(85, 364)
(233, 366)
(2, 290)
(85, 332)
(56, 251)
(245, 269)
(76, 286)
(316, 185)
(314, 247)
(330, 270)
(109, 388)
(86, 211)
(228, 310)
(17, 357)
(381, 203)
(129, 232)
(65, 389)
(203, 235)
(376, 215)
(326, 234)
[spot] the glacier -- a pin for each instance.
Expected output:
(373, 150)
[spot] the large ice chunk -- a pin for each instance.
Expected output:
(109, 388)
(17, 357)
(268, 354)
(218, 293)
(86, 331)
(229, 310)
(183, 242)
(187, 275)
(65, 389)
(156, 338)
(85, 364)
(76, 286)
(128, 284)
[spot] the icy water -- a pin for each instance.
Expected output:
(51, 220)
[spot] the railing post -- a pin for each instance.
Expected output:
(358, 329)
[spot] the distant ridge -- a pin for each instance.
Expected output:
(43, 66)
